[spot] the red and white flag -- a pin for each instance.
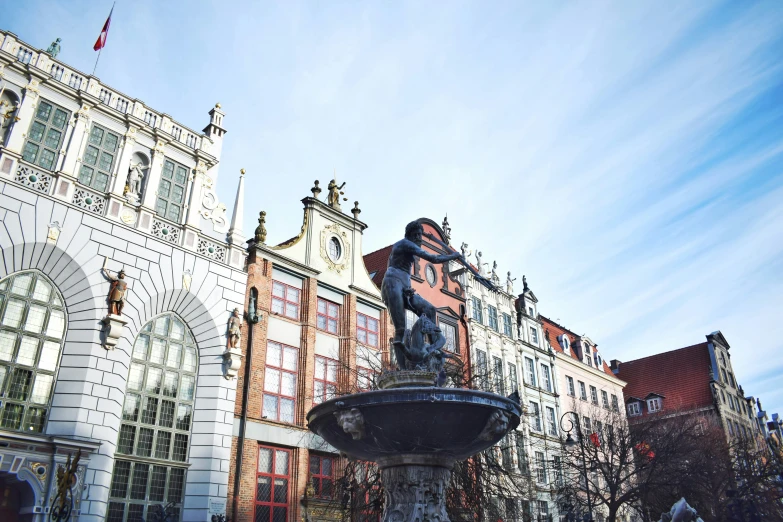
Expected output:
(100, 43)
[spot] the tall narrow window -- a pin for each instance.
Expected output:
(543, 510)
(530, 369)
(271, 503)
(171, 191)
(506, 452)
(322, 475)
(450, 333)
(605, 399)
(507, 325)
(594, 395)
(535, 416)
(32, 330)
(152, 447)
(497, 377)
(280, 382)
(512, 377)
(541, 467)
(570, 383)
(325, 378)
(477, 312)
(410, 319)
(551, 422)
(521, 455)
(327, 316)
(46, 134)
(367, 329)
(98, 158)
(615, 404)
(545, 378)
(482, 369)
(533, 335)
(285, 300)
(492, 314)
(582, 391)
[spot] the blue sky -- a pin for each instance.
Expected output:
(625, 156)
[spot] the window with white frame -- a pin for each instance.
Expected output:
(477, 315)
(171, 191)
(615, 403)
(152, 447)
(47, 130)
(594, 395)
(605, 399)
(570, 384)
(280, 382)
(587, 425)
(634, 409)
(541, 467)
(533, 335)
(543, 510)
(410, 319)
(507, 330)
(512, 377)
(482, 369)
(324, 379)
(654, 404)
(551, 422)
(32, 330)
(530, 371)
(546, 381)
(98, 158)
(497, 375)
(450, 333)
(582, 391)
(285, 300)
(535, 416)
(521, 455)
(492, 314)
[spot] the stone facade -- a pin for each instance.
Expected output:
(322, 330)
(70, 207)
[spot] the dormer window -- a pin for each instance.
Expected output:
(654, 404)
(598, 360)
(564, 343)
(530, 311)
(634, 409)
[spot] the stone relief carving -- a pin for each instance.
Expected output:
(232, 357)
(54, 232)
(211, 209)
(352, 422)
(415, 493)
(327, 234)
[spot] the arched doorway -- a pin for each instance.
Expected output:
(16, 497)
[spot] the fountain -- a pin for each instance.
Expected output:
(413, 428)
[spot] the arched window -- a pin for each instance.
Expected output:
(32, 330)
(156, 422)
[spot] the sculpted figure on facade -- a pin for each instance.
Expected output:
(234, 329)
(494, 277)
(465, 252)
(54, 49)
(446, 229)
(396, 288)
(133, 185)
(333, 199)
(117, 291)
(479, 264)
(510, 283)
(352, 422)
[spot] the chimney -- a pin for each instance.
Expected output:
(615, 365)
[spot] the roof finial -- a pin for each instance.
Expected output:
(235, 235)
(356, 210)
(316, 189)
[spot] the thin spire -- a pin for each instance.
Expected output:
(235, 235)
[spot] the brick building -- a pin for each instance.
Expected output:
(91, 178)
(322, 330)
(697, 379)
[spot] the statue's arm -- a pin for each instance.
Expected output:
(432, 258)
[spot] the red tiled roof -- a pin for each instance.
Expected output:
(554, 330)
(682, 376)
(378, 262)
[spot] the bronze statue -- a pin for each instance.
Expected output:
(234, 331)
(54, 49)
(117, 291)
(333, 199)
(260, 235)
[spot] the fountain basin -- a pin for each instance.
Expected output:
(425, 425)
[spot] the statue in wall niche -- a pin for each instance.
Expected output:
(133, 186)
(510, 283)
(54, 49)
(234, 331)
(335, 191)
(117, 290)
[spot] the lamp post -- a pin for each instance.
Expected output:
(573, 424)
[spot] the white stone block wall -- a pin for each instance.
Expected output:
(90, 387)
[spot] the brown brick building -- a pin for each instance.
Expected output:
(322, 330)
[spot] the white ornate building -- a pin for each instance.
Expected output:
(508, 355)
(92, 178)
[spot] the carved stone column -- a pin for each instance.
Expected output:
(151, 187)
(76, 142)
(415, 488)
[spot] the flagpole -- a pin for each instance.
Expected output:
(102, 46)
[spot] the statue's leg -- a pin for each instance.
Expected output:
(391, 292)
(422, 306)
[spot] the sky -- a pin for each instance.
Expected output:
(627, 157)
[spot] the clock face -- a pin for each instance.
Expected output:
(335, 250)
(431, 276)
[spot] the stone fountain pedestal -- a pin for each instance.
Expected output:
(415, 432)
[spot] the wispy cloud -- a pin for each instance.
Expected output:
(626, 156)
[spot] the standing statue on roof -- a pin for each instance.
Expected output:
(510, 283)
(465, 252)
(446, 229)
(494, 277)
(54, 49)
(333, 199)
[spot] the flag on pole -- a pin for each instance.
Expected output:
(101, 41)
